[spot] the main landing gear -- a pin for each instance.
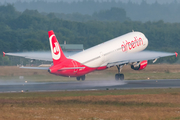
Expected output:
(81, 78)
(119, 76)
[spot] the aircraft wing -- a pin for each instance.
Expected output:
(45, 56)
(126, 58)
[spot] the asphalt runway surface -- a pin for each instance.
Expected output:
(87, 85)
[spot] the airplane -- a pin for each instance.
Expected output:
(120, 51)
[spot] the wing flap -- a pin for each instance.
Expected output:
(139, 56)
(117, 63)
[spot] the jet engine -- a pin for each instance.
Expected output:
(139, 65)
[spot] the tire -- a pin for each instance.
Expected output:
(121, 76)
(83, 77)
(78, 78)
(117, 77)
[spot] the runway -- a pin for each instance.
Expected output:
(88, 85)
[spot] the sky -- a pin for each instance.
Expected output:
(136, 1)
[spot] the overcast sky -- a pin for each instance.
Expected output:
(137, 1)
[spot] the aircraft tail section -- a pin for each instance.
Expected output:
(56, 51)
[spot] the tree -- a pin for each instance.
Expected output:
(31, 45)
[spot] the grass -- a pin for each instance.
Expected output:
(140, 104)
(152, 104)
(156, 71)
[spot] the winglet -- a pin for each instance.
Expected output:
(4, 54)
(176, 54)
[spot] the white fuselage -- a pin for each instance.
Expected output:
(100, 55)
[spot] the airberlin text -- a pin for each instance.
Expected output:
(129, 45)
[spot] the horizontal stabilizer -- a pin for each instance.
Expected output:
(71, 68)
(38, 55)
(36, 68)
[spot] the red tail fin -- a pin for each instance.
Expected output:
(57, 53)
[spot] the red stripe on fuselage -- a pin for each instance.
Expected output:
(56, 69)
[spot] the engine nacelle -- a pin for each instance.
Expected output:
(139, 66)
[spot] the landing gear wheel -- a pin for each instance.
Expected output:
(119, 77)
(78, 78)
(81, 77)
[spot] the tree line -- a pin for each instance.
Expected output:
(140, 12)
(27, 31)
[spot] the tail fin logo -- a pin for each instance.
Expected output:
(56, 48)
(56, 54)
